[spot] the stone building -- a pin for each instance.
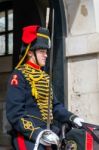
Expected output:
(76, 52)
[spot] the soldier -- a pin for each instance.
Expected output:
(28, 94)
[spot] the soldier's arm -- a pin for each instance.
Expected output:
(15, 108)
(60, 112)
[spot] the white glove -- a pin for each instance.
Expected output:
(49, 138)
(78, 121)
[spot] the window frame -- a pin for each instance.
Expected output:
(6, 6)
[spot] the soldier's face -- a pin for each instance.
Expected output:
(41, 55)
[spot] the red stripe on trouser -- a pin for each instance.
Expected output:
(21, 142)
(89, 141)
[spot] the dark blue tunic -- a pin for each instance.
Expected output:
(24, 113)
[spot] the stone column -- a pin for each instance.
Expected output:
(82, 51)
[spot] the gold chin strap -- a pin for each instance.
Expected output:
(22, 59)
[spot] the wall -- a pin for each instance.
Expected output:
(82, 52)
(5, 68)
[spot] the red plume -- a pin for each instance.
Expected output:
(29, 34)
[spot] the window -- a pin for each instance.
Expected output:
(6, 29)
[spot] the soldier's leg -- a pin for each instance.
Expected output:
(19, 143)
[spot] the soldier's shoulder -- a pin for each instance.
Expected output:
(16, 73)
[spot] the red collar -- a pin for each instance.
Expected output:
(35, 66)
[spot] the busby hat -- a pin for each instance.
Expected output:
(38, 37)
(34, 37)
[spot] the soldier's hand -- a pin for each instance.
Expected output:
(78, 121)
